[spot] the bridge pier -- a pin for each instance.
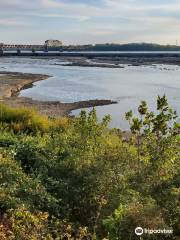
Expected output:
(1, 52)
(18, 52)
(45, 48)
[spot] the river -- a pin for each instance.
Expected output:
(127, 85)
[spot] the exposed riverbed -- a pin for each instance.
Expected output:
(127, 84)
(11, 83)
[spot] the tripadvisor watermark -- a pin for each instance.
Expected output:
(140, 231)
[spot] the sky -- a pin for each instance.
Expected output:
(90, 21)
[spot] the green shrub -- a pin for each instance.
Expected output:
(23, 120)
(77, 179)
(7, 139)
(17, 189)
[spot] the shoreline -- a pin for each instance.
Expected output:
(108, 61)
(105, 60)
(11, 83)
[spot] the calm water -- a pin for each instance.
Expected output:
(128, 85)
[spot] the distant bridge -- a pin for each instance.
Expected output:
(6, 47)
(51, 45)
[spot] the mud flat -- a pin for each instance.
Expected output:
(106, 59)
(11, 83)
(120, 61)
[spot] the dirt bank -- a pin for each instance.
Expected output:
(12, 83)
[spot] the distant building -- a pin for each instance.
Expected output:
(53, 43)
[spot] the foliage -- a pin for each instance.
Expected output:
(21, 120)
(77, 179)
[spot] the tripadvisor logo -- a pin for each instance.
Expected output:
(139, 231)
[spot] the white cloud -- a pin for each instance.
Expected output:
(51, 4)
(80, 18)
(8, 22)
(129, 17)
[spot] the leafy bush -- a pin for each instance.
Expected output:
(77, 179)
(17, 189)
(7, 139)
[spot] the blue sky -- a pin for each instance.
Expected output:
(90, 21)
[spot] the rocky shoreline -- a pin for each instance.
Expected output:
(121, 61)
(106, 59)
(11, 83)
(113, 61)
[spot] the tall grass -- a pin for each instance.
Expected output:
(23, 119)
